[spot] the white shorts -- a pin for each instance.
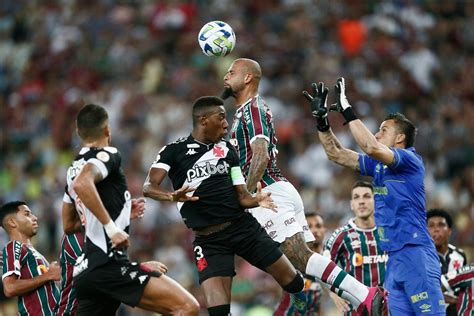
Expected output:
(290, 218)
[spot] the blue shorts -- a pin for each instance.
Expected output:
(413, 282)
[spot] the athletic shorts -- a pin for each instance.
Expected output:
(413, 282)
(101, 290)
(290, 218)
(214, 253)
(2, 294)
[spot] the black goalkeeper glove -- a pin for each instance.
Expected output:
(342, 105)
(319, 108)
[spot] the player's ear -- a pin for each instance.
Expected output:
(248, 77)
(10, 222)
(400, 139)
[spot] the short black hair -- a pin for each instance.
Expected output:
(363, 184)
(311, 214)
(202, 104)
(405, 126)
(440, 213)
(91, 121)
(9, 208)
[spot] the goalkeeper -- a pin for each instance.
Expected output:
(413, 270)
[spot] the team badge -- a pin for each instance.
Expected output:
(103, 156)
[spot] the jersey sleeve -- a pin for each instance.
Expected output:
(107, 160)
(333, 245)
(404, 160)
(13, 254)
(67, 197)
(460, 278)
(164, 159)
(257, 121)
(367, 165)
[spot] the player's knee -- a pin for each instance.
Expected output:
(296, 285)
(189, 308)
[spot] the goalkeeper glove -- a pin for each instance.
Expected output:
(318, 103)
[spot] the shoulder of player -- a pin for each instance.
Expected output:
(454, 249)
(338, 234)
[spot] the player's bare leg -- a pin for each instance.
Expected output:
(164, 295)
(296, 249)
(217, 293)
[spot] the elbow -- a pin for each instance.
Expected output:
(79, 186)
(371, 150)
(146, 190)
(8, 291)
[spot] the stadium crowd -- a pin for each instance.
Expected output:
(142, 62)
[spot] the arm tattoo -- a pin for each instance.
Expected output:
(338, 153)
(258, 164)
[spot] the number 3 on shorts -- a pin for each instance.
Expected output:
(198, 252)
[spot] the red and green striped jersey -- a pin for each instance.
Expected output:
(26, 262)
(251, 121)
(71, 248)
(461, 282)
(313, 291)
(357, 252)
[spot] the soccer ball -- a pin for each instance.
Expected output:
(216, 38)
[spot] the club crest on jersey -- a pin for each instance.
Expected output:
(218, 152)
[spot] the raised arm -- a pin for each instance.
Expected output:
(258, 163)
(364, 138)
(84, 185)
(333, 148)
(14, 286)
(338, 153)
(153, 189)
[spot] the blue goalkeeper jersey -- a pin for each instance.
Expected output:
(399, 199)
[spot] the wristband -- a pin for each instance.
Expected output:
(111, 229)
(349, 115)
(322, 123)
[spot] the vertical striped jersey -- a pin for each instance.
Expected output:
(313, 292)
(461, 282)
(452, 260)
(251, 121)
(71, 248)
(24, 261)
(357, 251)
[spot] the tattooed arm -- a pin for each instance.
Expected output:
(337, 153)
(258, 164)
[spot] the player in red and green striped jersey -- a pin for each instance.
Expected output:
(253, 136)
(312, 288)
(26, 273)
(71, 248)
(355, 246)
(461, 282)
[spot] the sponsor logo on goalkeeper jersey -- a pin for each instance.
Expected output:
(207, 170)
(380, 190)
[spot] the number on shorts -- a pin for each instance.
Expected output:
(198, 252)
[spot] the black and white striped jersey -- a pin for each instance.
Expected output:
(114, 194)
(208, 168)
(452, 260)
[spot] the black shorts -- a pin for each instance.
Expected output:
(2, 294)
(101, 290)
(214, 254)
